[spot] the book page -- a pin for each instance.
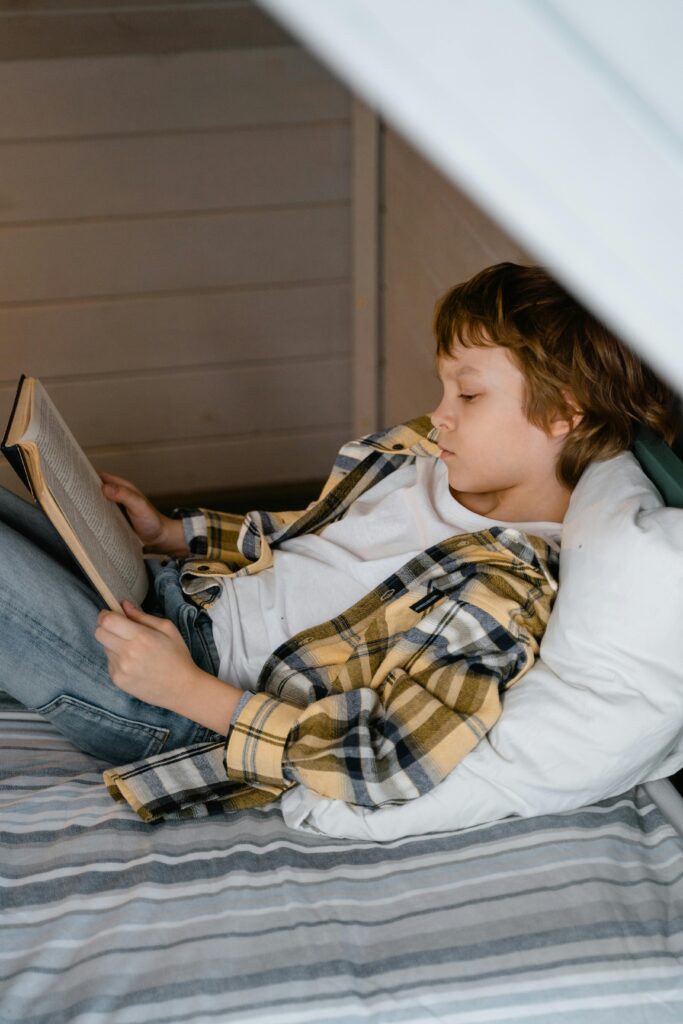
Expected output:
(106, 535)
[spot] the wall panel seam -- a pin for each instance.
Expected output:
(228, 129)
(216, 439)
(256, 286)
(164, 215)
(265, 363)
(202, 5)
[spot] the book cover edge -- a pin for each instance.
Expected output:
(3, 444)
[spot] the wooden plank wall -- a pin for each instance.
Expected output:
(433, 236)
(174, 240)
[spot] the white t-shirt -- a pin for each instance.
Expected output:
(317, 576)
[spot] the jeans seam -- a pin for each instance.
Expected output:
(207, 648)
(96, 712)
(47, 634)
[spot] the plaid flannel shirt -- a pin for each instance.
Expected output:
(377, 705)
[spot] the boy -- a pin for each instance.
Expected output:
(372, 635)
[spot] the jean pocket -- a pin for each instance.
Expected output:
(101, 733)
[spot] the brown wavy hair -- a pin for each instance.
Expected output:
(564, 353)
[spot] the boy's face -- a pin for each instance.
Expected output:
(499, 464)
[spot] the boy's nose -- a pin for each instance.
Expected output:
(440, 421)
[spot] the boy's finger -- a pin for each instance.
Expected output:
(112, 478)
(110, 641)
(108, 472)
(144, 618)
(112, 488)
(116, 624)
(114, 492)
(120, 492)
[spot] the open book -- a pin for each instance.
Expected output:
(47, 457)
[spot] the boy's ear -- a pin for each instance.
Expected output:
(559, 425)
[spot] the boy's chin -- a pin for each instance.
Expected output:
(456, 482)
(455, 491)
(463, 494)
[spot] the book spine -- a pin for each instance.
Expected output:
(16, 460)
(14, 407)
(13, 453)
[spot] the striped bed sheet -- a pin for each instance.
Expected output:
(574, 917)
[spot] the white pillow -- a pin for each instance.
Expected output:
(600, 710)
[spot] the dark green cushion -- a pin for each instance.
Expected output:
(661, 464)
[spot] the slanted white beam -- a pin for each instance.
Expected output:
(562, 118)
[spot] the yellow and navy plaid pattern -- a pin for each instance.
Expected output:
(377, 705)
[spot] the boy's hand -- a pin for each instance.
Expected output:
(147, 657)
(159, 533)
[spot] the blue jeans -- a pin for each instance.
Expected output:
(50, 659)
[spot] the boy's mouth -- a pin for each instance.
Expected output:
(445, 452)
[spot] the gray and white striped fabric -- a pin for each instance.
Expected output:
(574, 917)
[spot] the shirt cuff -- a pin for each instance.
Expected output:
(247, 695)
(256, 742)
(194, 529)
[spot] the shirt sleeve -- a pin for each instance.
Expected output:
(194, 528)
(371, 746)
(211, 534)
(247, 695)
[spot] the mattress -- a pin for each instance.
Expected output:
(573, 917)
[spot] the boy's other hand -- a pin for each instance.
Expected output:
(147, 657)
(159, 533)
